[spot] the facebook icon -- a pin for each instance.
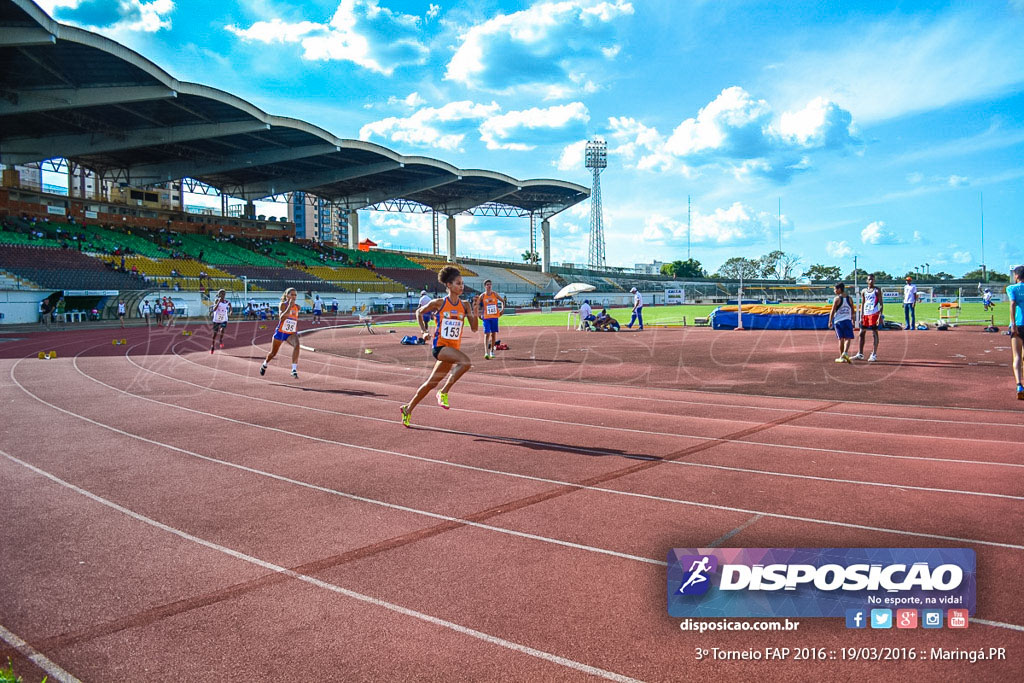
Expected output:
(856, 618)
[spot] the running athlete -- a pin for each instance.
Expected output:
(492, 304)
(220, 310)
(121, 310)
(870, 317)
(287, 326)
(840, 318)
(452, 313)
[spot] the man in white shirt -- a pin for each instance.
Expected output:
(909, 304)
(638, 309)
(586, 315)
(424, 300)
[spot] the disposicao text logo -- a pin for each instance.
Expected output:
(822, 582)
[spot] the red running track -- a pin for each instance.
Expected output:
(170, 514)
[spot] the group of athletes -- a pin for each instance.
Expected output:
(871, 307)
(451, 314)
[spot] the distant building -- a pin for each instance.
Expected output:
(649, 268)
(313, 219)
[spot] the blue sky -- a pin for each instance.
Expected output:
(882, 129)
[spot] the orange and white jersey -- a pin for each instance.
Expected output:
(491, 305)
(290, 322)
(450, 318)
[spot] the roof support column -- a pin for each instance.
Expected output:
(250, 209)
(353, 229)
(451, 239)
(545, 231)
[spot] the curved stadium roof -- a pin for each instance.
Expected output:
(67, 92)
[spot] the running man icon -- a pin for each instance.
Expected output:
(699, 569)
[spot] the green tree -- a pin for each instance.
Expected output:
(737, 267)
(860, 275)
(690, 268)
(882, 276)
(822, 272)
(941, 275)
(993, 276)
(531, 257)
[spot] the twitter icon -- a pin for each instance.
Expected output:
(881, 618)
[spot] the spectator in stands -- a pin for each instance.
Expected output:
(586, 315)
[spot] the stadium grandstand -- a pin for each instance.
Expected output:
(131, 139)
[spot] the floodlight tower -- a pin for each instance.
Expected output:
(596, 160)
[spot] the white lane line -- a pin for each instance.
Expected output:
(645, 432)
(405, 611)
(629, 494)
(830, 428)
(52, 669)
(684, 463)
(383, 365)
(997, 624)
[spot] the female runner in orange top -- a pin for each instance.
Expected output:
(287, 326)
(452, 313)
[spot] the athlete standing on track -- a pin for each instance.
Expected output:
(318, 310)
(287, 326)
(121, 310)
(220, 310)
(840, 318)
(492, 304)
(870, 317)
(452, 313)
(1016, 294)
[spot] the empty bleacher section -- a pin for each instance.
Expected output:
(186, 273)
(436, 263)
(278, 278)
(54, 268)
(379, 259)
(222, 251)
(542, 281)
(355, 279)
(414, 279)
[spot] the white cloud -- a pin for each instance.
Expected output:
(906, 64)
(439, 127)
(735, 225)
(412, 100)
(549, 43)
(127, 16)
(876, 233)
(741, 134)
(499, 131)
(571, 158)
(962, 257)
(360, 31)
(915, 178)
(839, 250)
(957, 181)
(433, 11)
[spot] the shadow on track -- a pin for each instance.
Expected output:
(543, 445)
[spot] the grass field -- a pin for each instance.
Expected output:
(660, 315)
